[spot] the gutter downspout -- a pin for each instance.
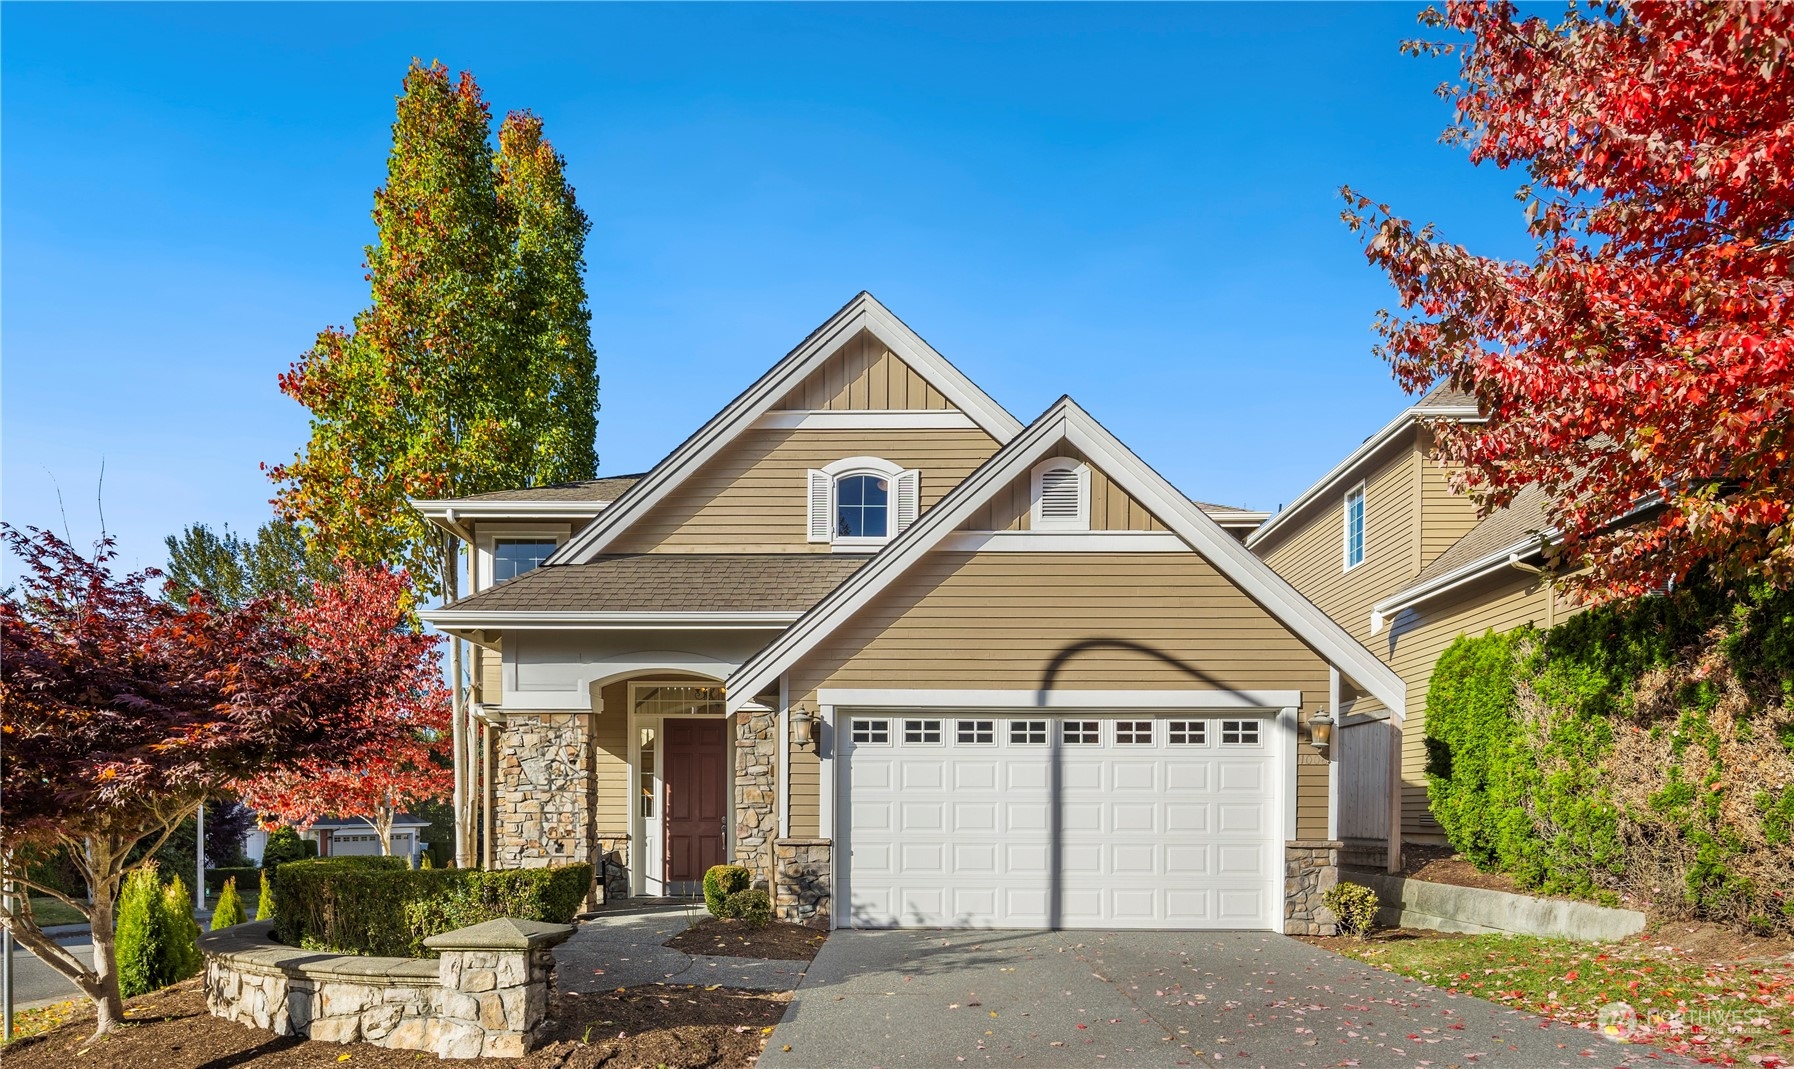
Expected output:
(457, 708)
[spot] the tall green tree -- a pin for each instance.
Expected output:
(236, 570)
(472, 369)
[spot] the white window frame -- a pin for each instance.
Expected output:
(487, 535)
(1345, 527)
(847, 467)
(1039, 522)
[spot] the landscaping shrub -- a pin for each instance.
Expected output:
(246, 876)
(1639, 753)
(264, 903)
(284, 845)
(721, 881)
(752, 907)
(229, 909)
(381, 906)
(156, 939)
(1355, 905)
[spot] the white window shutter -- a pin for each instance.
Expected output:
(909, 498)
(822, 506)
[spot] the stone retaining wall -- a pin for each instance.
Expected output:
(1446, 907)
(1310, 869)
(486, 996)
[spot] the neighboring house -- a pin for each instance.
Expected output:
(1384, 547)
(912, 662)
(340, 836)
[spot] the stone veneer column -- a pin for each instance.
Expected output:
(756, 791)
(801, 892)
(542, 809)
(497, 981)
(1310, 870)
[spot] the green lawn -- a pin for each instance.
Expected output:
(49, 911)
(1728, 1012)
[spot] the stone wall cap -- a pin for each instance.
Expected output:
(506, 933)
(803, 842)
(252, 946)
(1315, 844)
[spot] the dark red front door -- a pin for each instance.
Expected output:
(696, 800)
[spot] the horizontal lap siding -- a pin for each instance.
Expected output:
(610, 759)
(753, 497)
(1111, 507)
(864, 375)
(1122, 621)
(1446, 517)
(806, 793)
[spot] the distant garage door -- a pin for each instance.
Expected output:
(1074, 822)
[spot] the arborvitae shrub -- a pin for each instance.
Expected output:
(229, 909)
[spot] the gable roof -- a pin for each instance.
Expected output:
(1066, 421)
(863, 313)
(1441, 402)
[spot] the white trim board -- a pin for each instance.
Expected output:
(1064, 542)
(523, 620)
(866, 420)
(1221, 700)
(1065, 421)
(862, 313)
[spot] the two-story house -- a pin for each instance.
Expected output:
(912, 661)
(1382, 545)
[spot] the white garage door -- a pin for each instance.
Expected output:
(1012, 822)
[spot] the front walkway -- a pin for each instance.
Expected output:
(945, 998)
(621, 948)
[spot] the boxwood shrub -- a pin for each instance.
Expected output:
(381, 906)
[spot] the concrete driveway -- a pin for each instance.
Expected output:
(947, 998)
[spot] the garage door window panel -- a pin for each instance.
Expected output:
(872, 732)
(1027, 732)
(976, 732)
(1239, 733)
(1187, 732)
(1133, 733)
(926, 732)
(1082, 732)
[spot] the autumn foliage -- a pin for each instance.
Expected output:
(1640, 367)
(121, 712)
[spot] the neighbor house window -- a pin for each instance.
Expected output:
(1354, 527)
(511, 557)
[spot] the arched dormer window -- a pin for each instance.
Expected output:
(1061, 496)
(862, 502)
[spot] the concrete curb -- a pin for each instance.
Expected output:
(1444, 907)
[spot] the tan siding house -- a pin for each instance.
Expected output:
(911, 662)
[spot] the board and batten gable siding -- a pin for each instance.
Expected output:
(753, 496)
(1069, 621)
(865, 376)
(1111, 507)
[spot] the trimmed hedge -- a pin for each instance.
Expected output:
(247, 877)
(381, 906)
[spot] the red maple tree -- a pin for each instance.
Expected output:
(121, 712)
(1640, 368)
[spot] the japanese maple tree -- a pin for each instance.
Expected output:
(121, 712)
(1640, 367)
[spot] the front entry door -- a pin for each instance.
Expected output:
(696, 801)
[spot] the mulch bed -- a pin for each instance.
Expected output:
(1441, 864)
(677, 1026)
(786, 942)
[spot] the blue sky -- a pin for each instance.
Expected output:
(1136, 205)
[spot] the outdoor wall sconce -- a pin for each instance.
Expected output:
(1320, 730)
(803, 728)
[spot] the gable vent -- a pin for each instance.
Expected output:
(1059, 495)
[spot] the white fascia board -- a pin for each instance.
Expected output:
(1348, 467)
(519, 620)
(1457, 577)
(1220, 700)
(1064, 542)
(1066, 421)
(1240, 565)
(866, 419)
(862, 313)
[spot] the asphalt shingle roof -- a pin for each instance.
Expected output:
(1443, 396)
(672, 582)
(1502, 529)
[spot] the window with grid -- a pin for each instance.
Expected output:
(1133, 732)
(977, 731)
(511, 557)
(1082, 732)
(1028, 732)
(921, 731)
(1239, 732)
(861, 506)
(872, 731)
(1187, 732)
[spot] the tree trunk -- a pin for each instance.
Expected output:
(108, 1003)
(384, 815)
